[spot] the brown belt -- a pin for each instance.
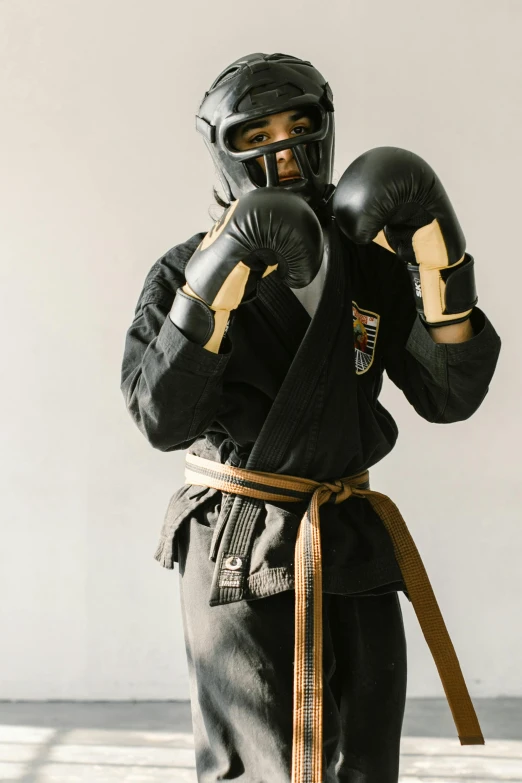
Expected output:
(307, 747)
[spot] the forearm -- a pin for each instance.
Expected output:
(172, 387)
(453, 333)
(454, 376)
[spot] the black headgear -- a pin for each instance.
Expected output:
(261, 84)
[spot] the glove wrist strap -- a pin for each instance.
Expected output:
(197, 321)
(444, 295)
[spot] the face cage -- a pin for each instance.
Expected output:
(307, 159)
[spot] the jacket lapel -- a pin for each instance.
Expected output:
(296, 391)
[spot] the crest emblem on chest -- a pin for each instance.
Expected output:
(365, 330)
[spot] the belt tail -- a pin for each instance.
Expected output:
(430, 620)
(307, 750)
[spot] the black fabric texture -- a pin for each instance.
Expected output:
(292, 384)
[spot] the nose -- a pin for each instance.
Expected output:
(285, 156)
(285, 159)
(286, 162)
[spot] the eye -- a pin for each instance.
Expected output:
(260, 138)
(257, 139)
(302, 129)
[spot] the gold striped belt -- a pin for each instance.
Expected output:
(307, 750)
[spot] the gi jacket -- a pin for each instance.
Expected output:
(295, 395)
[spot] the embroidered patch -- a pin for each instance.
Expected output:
(365, 329)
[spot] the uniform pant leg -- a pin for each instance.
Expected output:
(240, 659)
(369, 685)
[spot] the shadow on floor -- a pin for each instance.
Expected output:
(151, 742)
(499, 718)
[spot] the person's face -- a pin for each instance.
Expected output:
(272, 128)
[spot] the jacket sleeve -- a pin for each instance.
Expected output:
(172, 387)
(444, 382)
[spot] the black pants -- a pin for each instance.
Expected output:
(240, 659)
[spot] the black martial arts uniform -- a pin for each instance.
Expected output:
(292, 395)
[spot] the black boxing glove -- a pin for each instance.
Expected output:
(394, 198)
(267, 230)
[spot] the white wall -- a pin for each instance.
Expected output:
(101, 172)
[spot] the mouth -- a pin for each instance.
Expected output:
(285, 179)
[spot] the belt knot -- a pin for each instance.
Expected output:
(337, 491)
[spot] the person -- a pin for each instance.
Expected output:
(260, 348)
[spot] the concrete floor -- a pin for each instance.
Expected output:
(151, 742)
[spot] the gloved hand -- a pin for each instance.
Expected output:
(264, 231)
(394, 198)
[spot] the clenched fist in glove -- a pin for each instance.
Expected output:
(267, 230)
(394, 198)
